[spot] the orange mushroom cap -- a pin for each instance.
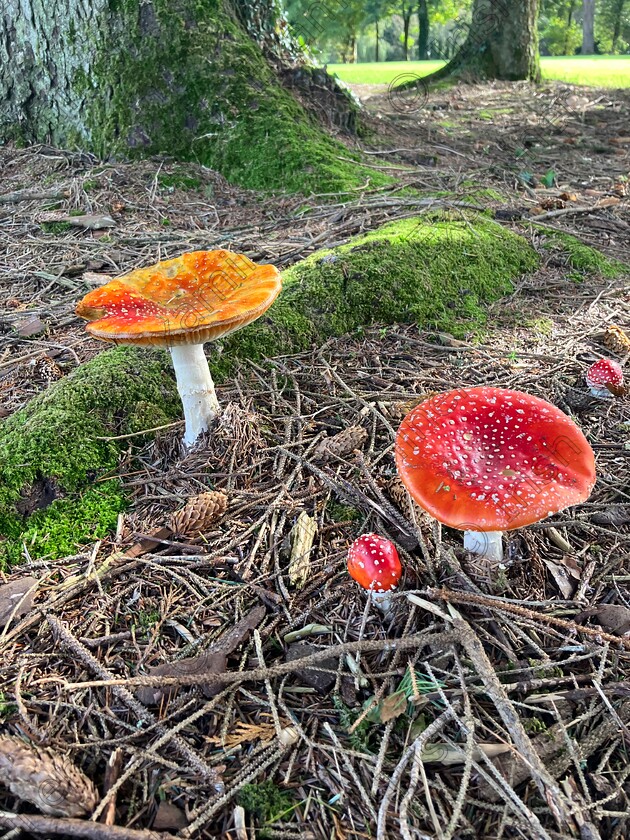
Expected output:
(491, 459)
(191, 299)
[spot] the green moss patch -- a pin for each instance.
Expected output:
(436, 271)
(54, 455)
(582, 257)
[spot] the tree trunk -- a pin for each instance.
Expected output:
(423, 33)
(617, 24)
(182, 77)
(406, 16)
(569, 22)
(376, 57)
(588, 27)
(502, 43)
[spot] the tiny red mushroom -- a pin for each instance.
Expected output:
(605, 379)
(374, 563)
(487, 460)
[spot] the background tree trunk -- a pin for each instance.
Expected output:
(189, 78)
(588, 27)
(423, 33)
(502, 43)
(406, 16)
(569, 22)
(376, 56)
(617, 24)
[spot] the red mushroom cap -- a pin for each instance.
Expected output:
(606, 373)
(490, 459)
(194, 298)
(374, 563)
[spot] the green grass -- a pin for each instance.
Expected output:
(611, 71)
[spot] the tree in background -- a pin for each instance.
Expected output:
(502, 43)
(423, 30)
(588, 27)
(329, 23)
(612, 26)
(406, 11)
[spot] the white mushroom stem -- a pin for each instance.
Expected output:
(382, 600)
(196, 389)
(600, 391)
(485, 543)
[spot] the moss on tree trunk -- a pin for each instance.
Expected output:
(181, 77)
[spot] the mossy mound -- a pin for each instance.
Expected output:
(435, 271)
(438, 272)
(54, 450)
(583, 258)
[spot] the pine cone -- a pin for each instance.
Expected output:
(341, 444)
(47, 370)
(617, 340)
(49, 781)
(577, 398)
(198, 513)
(397, 492)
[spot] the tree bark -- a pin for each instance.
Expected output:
(406, 16)
(190, 78)
(502, 43)
(376, 57)
(588, 27)
(617, 24)
(569, 22)
(423, 33)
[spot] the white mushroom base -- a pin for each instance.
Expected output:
(600, 391)
(383, 600)
(485, 543)
(196, 389)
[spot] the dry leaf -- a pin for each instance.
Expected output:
(169, 818)
(566, 574)
(213, 661)
(93, 278)
(30, 327)
(567, 196)
(448, 754)
(393, 706)
(303, 534)
(13, 598)
(615, 618)
(611, 201)
(90, 222)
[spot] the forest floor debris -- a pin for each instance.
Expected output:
(419, 723)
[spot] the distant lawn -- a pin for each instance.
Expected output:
(611, 71)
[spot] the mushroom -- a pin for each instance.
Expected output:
(605, 379)
(180, 304)
(487, 460)
(374, 563)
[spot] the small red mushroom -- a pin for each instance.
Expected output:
(487, 460)
(605, 379)
(374, 563)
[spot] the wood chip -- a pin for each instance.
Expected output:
(16, 598)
